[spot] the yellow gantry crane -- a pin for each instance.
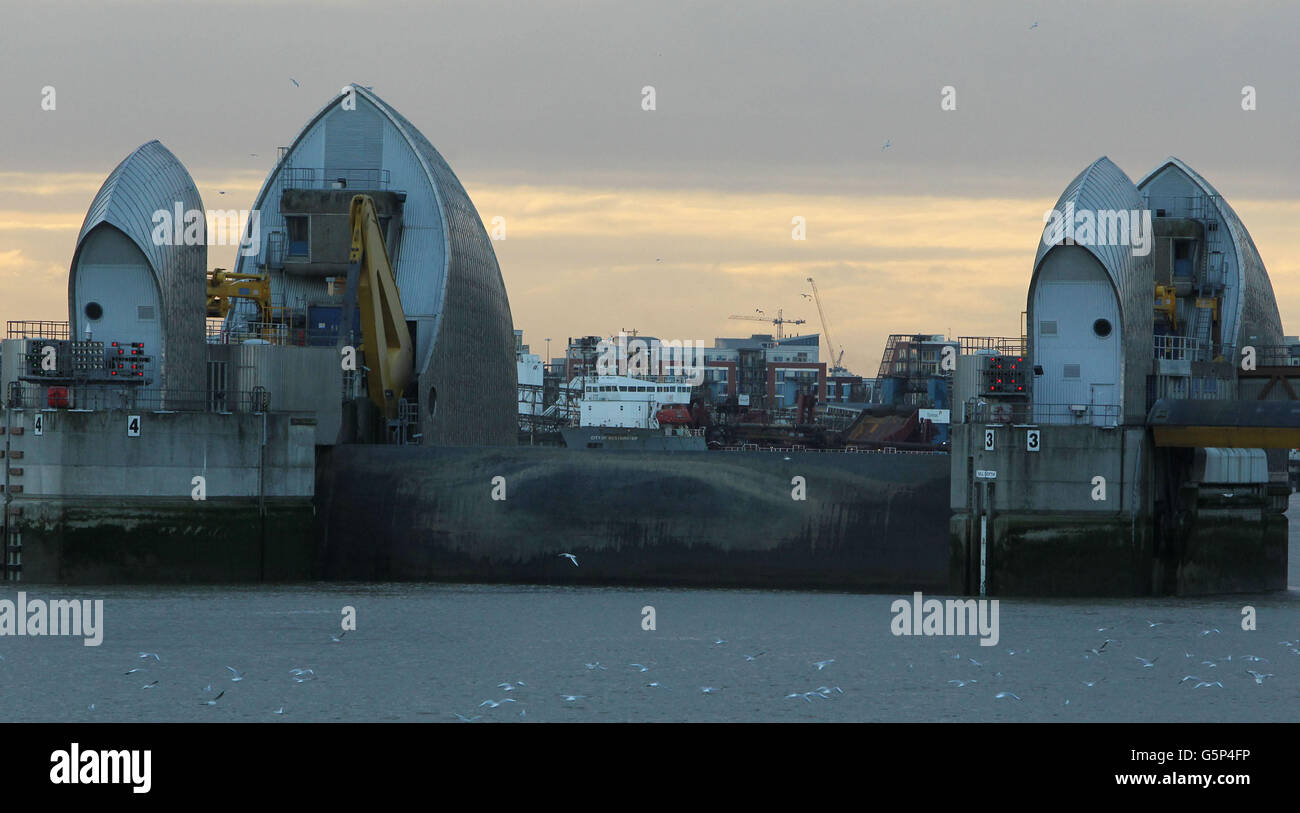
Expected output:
(372, 287)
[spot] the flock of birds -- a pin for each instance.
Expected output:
(1115, 659)
(1107, 651)
(151, 659)
(1109, 655)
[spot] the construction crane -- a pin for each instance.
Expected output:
(836, 367)
(372, 288)
(778, 321)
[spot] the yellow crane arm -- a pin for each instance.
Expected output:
(385, 338)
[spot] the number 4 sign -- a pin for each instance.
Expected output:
(133, 426)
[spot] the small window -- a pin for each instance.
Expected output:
(1047, 328)
(1101, 327)
(1071, 371)
(298, 229)
(94, 311)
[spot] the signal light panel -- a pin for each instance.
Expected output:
(1006, 375)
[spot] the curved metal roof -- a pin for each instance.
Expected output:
(1103, 186)
(149, 180)
(1255, 312)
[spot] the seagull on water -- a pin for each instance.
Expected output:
(572, 697)
(708, 689)
(213, 701)
(132, 671)
(654, 685)
(509, 687)
(961, 683)
(279, 710)
(335, 639)
(823, 664)
(1259, 678)
(494, 703)
(570, 557)
(150, 685)
(1001, 695)
(1154, 624)
(154, 655)
(1254, 659)
(594, 666)
(639, 667)
(236, 675)
(718, 642)
(1091, 683)
(1204, 684)
(1147, 664)
(975, 662)
(752, 658)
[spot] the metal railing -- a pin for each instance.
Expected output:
(1001, 345)
(90, 397)
(1025, 412)
(24, 329)
(335, 178)
(1180, 348)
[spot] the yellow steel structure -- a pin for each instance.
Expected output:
(386, 340)
(224, 286)
(1167, 304)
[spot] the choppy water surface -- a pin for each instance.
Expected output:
(432, 652)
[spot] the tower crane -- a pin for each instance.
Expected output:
(836, 366)
(778, 321)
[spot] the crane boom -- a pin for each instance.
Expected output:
(372, 287)
(826, 328)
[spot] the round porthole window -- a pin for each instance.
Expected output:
(1101, 327)
(94, 311)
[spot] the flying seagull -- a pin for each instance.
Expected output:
(752, 658)
(236, 674)
(718, 642)
(572, 697)
(1147, 664)
(213, 701)
(1001, 695)
(571, 558)
(465, 719)
(1257, 676)
(494, 703)
(823, 664)
(1204, 684)
(638, 667)
(708, 689)
(154, 655)
(338, 638)
(150, 685)
(132, 671)
(295, 82)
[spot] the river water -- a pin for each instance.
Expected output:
(425, 652)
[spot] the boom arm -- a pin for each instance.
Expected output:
(372, 287)
(826, 328)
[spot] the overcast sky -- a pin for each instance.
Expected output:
(764, 111)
